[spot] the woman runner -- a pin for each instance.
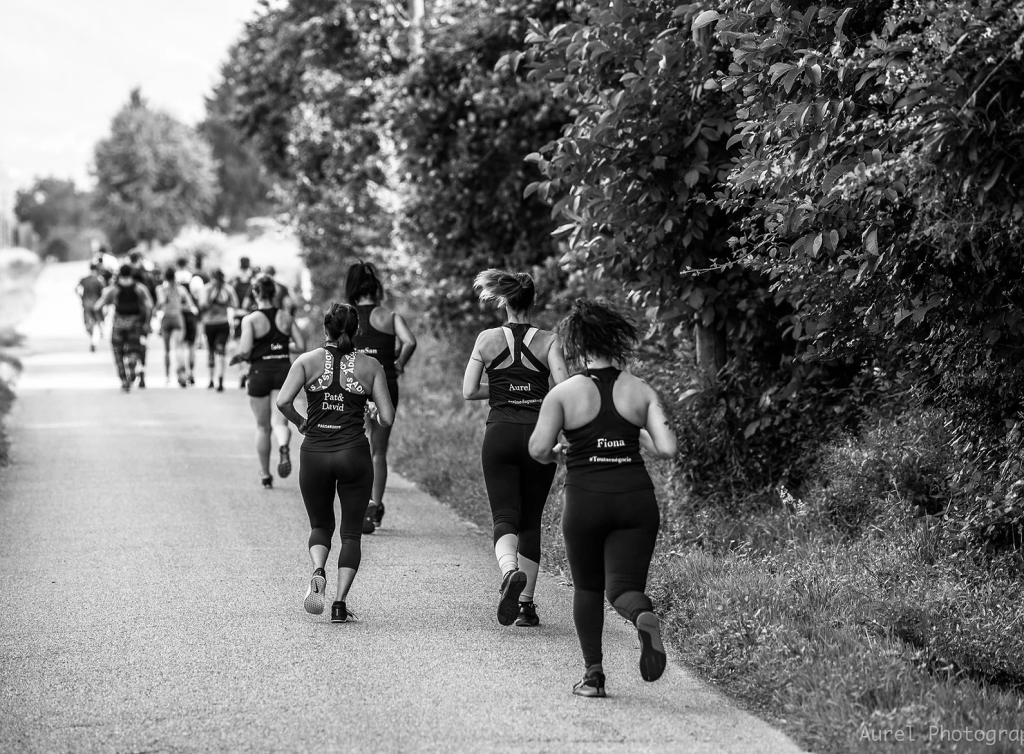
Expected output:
(610, 520)
(378, 329)
(216, 304)
(132, 310)
(335, 454)
(173, 299)
(520, 361)
(266, 333)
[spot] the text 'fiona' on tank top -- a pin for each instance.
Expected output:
(517, 390)
(373, 342)
(604, 455)
(271, 350)
(334, 406)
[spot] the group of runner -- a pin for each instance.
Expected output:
(606, 414)
(190, 303)
(351, 387)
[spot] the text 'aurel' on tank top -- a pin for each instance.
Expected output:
(271, 351)
(517, 390)
(373, 342)
(334, 406)
(604, 455)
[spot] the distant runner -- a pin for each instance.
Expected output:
(378, 330)
(216, 302)
(335, 455)
(132, 310)
(174, 300)
(521, 362)
(266, 334)
(89, 290)
(610, 521)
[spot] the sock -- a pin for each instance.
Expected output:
(595, 668)
(505, 550)
(530, 568)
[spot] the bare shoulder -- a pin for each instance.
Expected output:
(573, 385)
(637, 384)
(366, 362)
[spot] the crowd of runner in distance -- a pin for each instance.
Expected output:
(187, 306)
(595, 421)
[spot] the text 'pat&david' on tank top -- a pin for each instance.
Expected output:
(271, 350)
(373, 342)
(516, 391)
(335, 405)
(604, 455)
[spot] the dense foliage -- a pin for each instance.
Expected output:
(59, 214)
(154, 175)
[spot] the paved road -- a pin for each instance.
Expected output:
(151, 600)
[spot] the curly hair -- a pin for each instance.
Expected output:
(595, 328)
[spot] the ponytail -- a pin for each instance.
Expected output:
(341, 323)
(594, 328)
(362, 280)
(263, 287)
(512, 289)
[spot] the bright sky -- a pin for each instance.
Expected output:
(67, 66)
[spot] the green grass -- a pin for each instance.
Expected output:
(865, 644)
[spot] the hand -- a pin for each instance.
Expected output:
(371, 410)
(399, 369)
(303, 427)
(236, 359)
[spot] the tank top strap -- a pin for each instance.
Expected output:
(605, 379)
(271, 315)
(347, 375)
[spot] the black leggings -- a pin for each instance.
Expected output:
(609, 541)
(517, 485)
(127, 343)
(349, 473)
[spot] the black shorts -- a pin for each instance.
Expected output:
(217, 337)
(262, 380)
(91, 317)
(191, 322)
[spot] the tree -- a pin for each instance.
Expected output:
(50, 203)
(463, 121)
(153, 174)
(244, 186)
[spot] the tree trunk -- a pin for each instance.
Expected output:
(710, 345)
(416, 14)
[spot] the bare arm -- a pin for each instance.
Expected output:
(297, 337)
(544, 440)
(408, 343)
(556, 361)
(293, 383)
(381, 396)
(244, 342)
(104, 300)
(657, 436)
(473, 387)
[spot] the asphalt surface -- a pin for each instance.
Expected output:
(151, 598)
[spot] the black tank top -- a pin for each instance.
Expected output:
(271, 351)
(604, 455)
(334, 406)
(516, 391)
(126, 300)
(373, 342)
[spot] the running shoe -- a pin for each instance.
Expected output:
(241, 383)
(92, 347)
(191, 379)
(316, 594)
(220, 385)
(142, 379)
(267, 481)
(592, 685)
(210, 386)
(527, 615)
(370, 519)
(511, 587)
(284, 466)
(341, 614)
(126, 386)
(652, 651)
(380, 514)
(182, 379)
